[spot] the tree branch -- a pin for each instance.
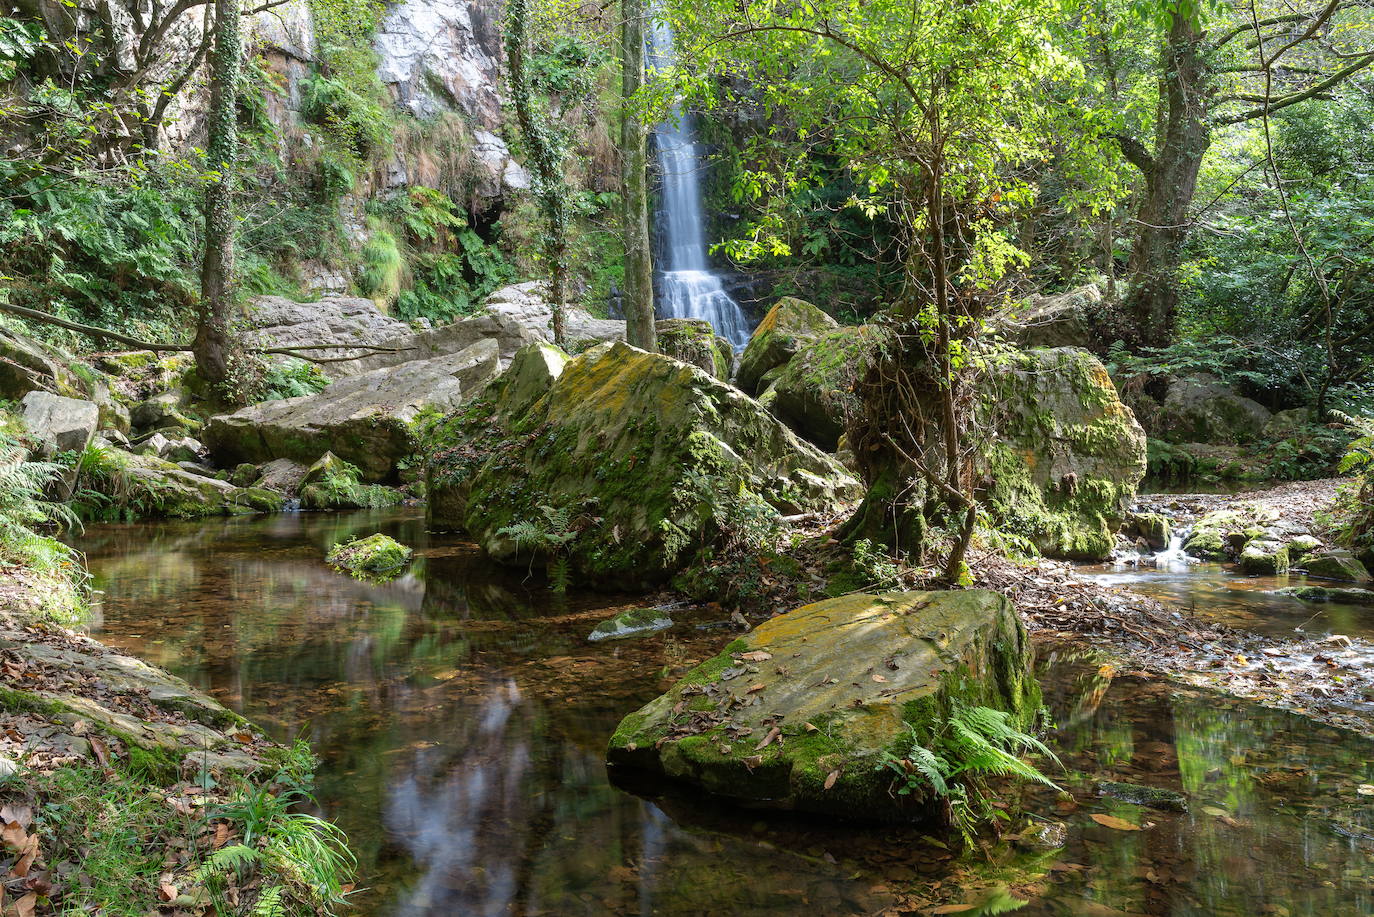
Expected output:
(1136, 154)
(1313, 90)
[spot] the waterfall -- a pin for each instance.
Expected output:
(689, 289)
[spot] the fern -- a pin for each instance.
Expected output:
(553, 536)
(270, 903)
(973, 744)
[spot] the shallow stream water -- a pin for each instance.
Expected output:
(461, 717)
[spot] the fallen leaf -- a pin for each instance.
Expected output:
(221, 835)
(167, 892)
(25, 905)
(26, 858)
(953, 908)
(756, 656)
(830, 779)
(810, 728)
(753, 688)
(102, 754)
(1215, 811)
(877, 677)
(767, 740)
(1111, 821)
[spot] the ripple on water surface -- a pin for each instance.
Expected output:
(461, 717)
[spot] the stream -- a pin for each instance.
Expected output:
(461, 718)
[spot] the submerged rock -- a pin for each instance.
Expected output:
(1066, 455)
(632, 450)
(801, 712)
(1348, 596)
(1149, 796)
(367, 419)
(787, 327)
(375, 556)
(631, 623)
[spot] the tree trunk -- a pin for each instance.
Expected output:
(214, 347)
(1170, 183)
(639, 278)
(546, 159)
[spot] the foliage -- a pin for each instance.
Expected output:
(291, 378)
(971, 745)
(24, 507)
(551, 536)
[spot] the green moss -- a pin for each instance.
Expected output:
(375, 556)
(156, 765)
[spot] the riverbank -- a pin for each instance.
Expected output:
(126, 790)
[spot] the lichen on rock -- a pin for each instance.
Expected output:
(799, 713)
(787, 327)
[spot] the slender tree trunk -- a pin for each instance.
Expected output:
(546, 159)
(639, 278)
(214, 347)
(1170, 183)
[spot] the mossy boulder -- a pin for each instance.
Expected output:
(1347, 596)
(1201, 409)
(369, 419)
(799, 713)
(375, 556)
(636, 448)
(1153, 527)
(1066, 455)
(631, 623)
(29, 366)
(332, 483)
(151, 486)
(814, 392)
(1338, 564)
(1264, 557)
(787, 327)
(693, 340)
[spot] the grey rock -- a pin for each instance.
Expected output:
(60, 424)
(364, 419)
(1200, 409)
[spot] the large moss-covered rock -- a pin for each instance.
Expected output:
(1065, 455)
(814, 392)
(29, 366)
(1338, 564)
(332, 483)
(1201, 409)
(636, 447)
(693, 340)
(841, 682)
(376, 556)
(368, 419)
(150, 486)
(786, 328)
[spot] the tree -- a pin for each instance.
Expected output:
(1242, 68)
(639, 278)
(938, 109)
(546, 151)
(215, 348)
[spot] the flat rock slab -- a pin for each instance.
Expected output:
(364, 419)
(799, 713)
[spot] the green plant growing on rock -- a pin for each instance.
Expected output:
(553, 535)
(975, 743)
(377, 557)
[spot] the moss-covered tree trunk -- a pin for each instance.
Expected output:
(546, 159)
(1171, 176)
(639, 278)
(214, 347)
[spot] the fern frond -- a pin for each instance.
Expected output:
(270, 903)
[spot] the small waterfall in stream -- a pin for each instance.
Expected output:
(689, 289)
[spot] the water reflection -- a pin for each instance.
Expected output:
(462, 719)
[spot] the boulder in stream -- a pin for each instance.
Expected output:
(1337, 564)
(631, 623)
(631, 451)
(803, 711)
(375, 557)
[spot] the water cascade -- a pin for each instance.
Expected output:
(688, 289)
